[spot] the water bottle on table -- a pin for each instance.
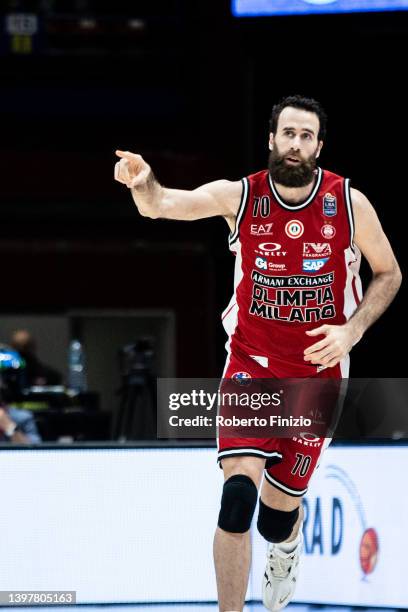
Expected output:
(76, 367)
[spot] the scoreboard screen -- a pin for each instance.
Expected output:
(266, 8)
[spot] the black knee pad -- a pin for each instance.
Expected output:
(276, 525)
(239, 497)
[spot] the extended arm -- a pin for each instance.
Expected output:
(155, 201)
(374, 245)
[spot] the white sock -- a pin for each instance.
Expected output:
(288, 547)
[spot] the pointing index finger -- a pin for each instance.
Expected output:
(127, 155)
(120, 153)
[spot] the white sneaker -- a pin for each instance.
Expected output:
(280, 576)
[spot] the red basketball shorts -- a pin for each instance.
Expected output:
(290, 461)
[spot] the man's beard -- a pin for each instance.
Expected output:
(300, 175)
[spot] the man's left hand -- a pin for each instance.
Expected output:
(338, 342)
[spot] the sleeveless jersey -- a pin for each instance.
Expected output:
(296, 269)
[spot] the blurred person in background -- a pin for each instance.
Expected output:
(35, 372)
(16, 425)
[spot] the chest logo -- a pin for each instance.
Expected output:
(328, 231)
(329, 205)
(314, 265)
(294, 228)
(313, 250)
(261, 229)
(270, 249)
(261, 263)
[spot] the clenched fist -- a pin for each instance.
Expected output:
(131, 170)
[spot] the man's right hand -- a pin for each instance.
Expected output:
(131, 170)
(219, 198)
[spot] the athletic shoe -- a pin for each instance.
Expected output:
(280, 576)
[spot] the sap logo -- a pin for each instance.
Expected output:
(314, 524)
(265, 229)
(316, 249)
(261, 263)
(314, 265)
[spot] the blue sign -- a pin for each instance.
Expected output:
(263, 8)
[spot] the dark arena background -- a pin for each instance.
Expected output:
(189, 85)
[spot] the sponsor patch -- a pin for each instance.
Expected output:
(322, 280)
(270, 249)
(270, 246)
(294, 228)
(314, 250)
(314, 265)
(242, 378)
(328, 231)
(261, 263)
(261, 229)
(329, 205)
(277, 266)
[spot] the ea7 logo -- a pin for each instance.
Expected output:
(316, 249)
(262, 229)
(314, 265)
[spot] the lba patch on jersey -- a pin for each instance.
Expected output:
(329, 205)
(314, 250)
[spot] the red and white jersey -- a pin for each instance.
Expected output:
(296, 269)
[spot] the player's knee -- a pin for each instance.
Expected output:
(239, 497)
(276, 525)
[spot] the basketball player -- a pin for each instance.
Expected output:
(298, 233)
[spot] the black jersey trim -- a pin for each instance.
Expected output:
(247, 451)
(302, 205)
(349, 211)
(282, 487)
(241, 210)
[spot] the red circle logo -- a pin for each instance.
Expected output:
(294, 228)
(328, 231)
(369, 550)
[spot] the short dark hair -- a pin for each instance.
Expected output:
(307, 104)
